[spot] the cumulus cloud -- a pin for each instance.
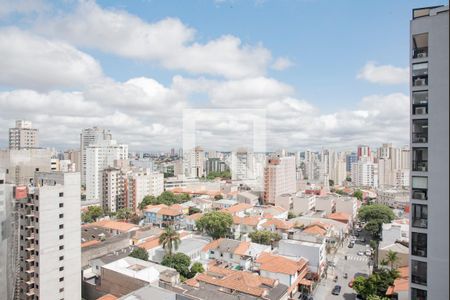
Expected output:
(168, 42)
(281, 63)
(30, 61)
(23, 7)
(384, 74)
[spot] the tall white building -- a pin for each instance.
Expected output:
(141, 184)
(279, 178)
(429, 220)
(90, 136)
(393, 168)
(99, 157)
(242, 164)
(50, 238)
(194, 163)
(23, 136)
(365, 174)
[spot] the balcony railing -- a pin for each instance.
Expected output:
(420, 137)
(420, 80)
(419, 194)
(420, 222)
(420, 165)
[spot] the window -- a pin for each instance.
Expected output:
(61, 216)
(420, 45)
(420, 131)
(419, 272)
(420, 74)
(61, 205)
(61, 226)
(61, 236)
(419, 244)
(61, 290)
(61, 279)
(420, 102)
(61, 194)
(61, 247)
(420, 159)
(61, 268)
(419, 216)
(61, 257)
(417, 294)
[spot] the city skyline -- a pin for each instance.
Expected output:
(80, 78)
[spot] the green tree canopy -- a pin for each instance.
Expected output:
(166, 197)
(358, 194)
(223, 175)
(194, 210)
(196, 268)
(218, 197)
(376, 212)
(169, 239)
(264, 237)
(92, 214)
(376, 284)
(139, 253)
(216, 224)
(179, 262)
(124, 214)
(148, 200)
(291, 215)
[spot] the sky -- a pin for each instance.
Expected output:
(295, 74)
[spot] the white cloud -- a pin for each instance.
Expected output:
(384, 74)
(168, 42)
(30, 61)
(281, 63)
(8, 7)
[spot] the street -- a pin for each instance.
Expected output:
(354, 264)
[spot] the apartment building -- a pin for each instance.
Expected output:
(429, 109)
(99, 157)
(194, 163)
(23, 136)
(365, 173)
(279, 178)
(90, 136)
(50, 235)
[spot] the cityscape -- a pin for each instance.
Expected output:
(216, 179)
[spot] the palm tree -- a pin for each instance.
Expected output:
(392, 258)
(169, 239)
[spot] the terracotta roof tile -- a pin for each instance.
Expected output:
(242, 248)
(339, 216)
(279, 224)
(401, 284)
(194, 217)
(213, 245)
(89, 243)
(108, 297)
(169, 212)
(238, 208)
(115, 225)
(250, 220)
(280, 264)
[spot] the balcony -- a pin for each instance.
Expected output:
(30, 292)
(420, 74)
(419, 216)
(420, 52)
(419, 244)
(419, 194)
(420, 165)
(420, 159)
(419, 272)
(420, 131)
(420, 103)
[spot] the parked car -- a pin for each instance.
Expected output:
(368, 252)
(350, 284)
(360, 253)
(350, 245)
(359, 229)
(336, 290)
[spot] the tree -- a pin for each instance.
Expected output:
(291, 215)
(196, 268)
(167, 198)
(373, 227)
(179, 262)
(392, 258)
(264, 237)
(358, 194)
(376, 212)
(194, 210)
(148, 200)
(376, 297)
(124, 214)
(92, 214)
(331, 182)
(135, 219)
(169, 239)
(216, 224)
(139, 253)
(376, 284)
(218, 197)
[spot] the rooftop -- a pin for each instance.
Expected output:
(113, 225)
(279, 264)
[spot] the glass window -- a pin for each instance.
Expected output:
(417, 294)
(420, 102)
(420, 45)
(419, 182)
(420, 74)
(420, 159)
(420, 216)
(419, 272)
(419, 244)
(420, 131)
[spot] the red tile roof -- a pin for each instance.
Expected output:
(279, 264)
(278, 224)
(114, 225)
(238, 208)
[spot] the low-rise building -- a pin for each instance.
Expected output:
(223, 204)
(394, 198)
(245, 225)
(303, 203)
(401, 249)
(399, 290)
(314, 252)
(240, 209)
(247, 197)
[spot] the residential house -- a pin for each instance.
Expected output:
(245, 225)
(240, 209)
(191, 220)
(399, 290)
(313, 250)
(223, 204)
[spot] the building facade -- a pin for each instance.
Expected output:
(429, 109)
(279, 178)
(23, 136)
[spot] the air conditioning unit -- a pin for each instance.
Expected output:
(421, 110)
(421, 55)
(419, 82)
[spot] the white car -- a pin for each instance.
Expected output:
(368, 252)
(360, 253)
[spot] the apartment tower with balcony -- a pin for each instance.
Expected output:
(429, 223)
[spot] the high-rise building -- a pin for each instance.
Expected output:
(74, 156)
(365, 174)
(50, 237)
(23, 136)
(194, 163)
(100, 156)
(363, 152)
(279, 178)
(242, 164)
(215, 165)
(429, 221)
(350, 158)
(90, 136)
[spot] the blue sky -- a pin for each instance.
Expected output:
(139, 64)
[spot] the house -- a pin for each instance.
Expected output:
(282, 227)
(313, 251)
(233, 252)
(191, 245)
(162, 215)
(226, 284)
(113, 227)
(247, 197)
(144, 234)
(128, 274)
(190, 221)
(341, 217)
(400, 248)
(348, 205)
(325, 203)
(240, 209)
(223, 204)
(244, 225)
(151, 213)
(399, 290)
(276, 212)
(287, 271)
(303, 203)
